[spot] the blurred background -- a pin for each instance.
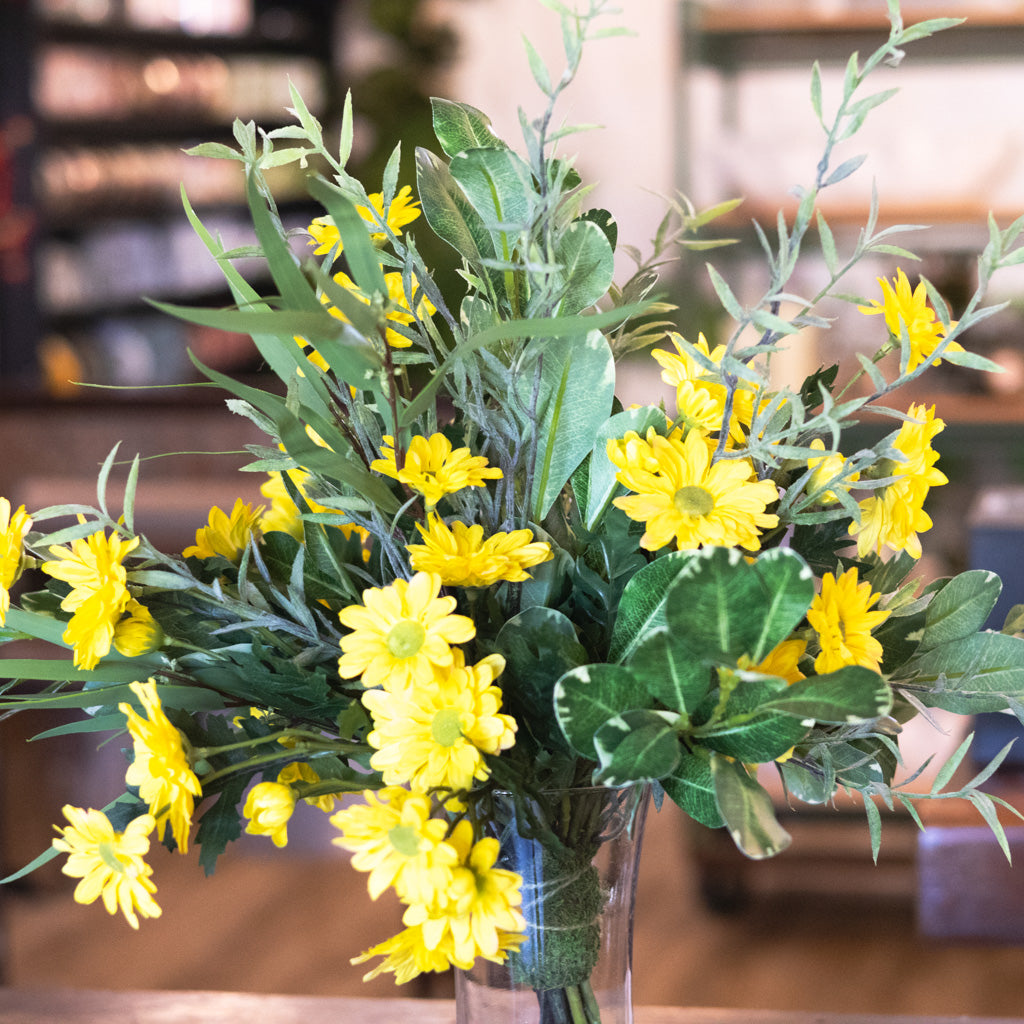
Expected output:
(98, 100)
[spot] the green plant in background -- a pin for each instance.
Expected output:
(477, 574)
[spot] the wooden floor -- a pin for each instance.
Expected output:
(289, 922)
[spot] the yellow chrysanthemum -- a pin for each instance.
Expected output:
(826, 469)
(433, 468)
(399, 309)
(434, 735)
(137, 633)
(894, 516)
(392, 836)
(269, 807)
(109, 863)
(841, 615)
(161, 767)
(99, 595)
(401, 632)
(700, 392)
(13, 530)
(682, 496)
(227, 535)
(406, 955)
(301, 772)
(402, 210)
(783, 661)
(903, 308)
(462, 557)
(481, 915)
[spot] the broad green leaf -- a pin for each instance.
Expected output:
(961, 608)
(539, 645)
(642, 608)
(449, 213)
(754, 738)
(602, 481)
(576, 391)
(636, 746)
(847, 696)
(459, 127)
(983, 672)
(499, 184)
(810, 787)
(588, 696)
(747, 810)
(586, 266)
(691, 786)
(722, 607)
(670, 674)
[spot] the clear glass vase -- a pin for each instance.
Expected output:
(577, 851)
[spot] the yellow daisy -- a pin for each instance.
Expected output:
(99, 595)
(461, 556)
(434, 735)
(110, 864)
(161, 767)
(406, 955)
(269, 807)
(783, 661)
(682, 496)
(401, 632)
(841, 615)
(402, 210)
(301, 772)
(13, 530)
(393, 838)
(138, 633)
(399, 309)
(903, 308)
(825, 469)
(227, 535)
(433, 468)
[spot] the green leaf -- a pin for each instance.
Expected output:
(747, 810)
(961, 608)
(220, 823)
(810, 787)
(636, 746)
(750, 733)
(691, 786)
(845, 697)
(721, 607)
(539, 645)
(588, 696)
(459, 127)
(586, 266)
(574, 399)
(669, 672)
(725, 294)
(983, 672)
(642, 608)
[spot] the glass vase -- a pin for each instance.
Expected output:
(577, 851)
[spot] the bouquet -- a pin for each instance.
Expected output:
(478, 581)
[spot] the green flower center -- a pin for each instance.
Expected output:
(404, 840)
(693, 501)
(405, 638)
(109, 857)
(446, 729)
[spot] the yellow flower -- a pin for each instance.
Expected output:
(226, 535)
(433, 468)
(406, 955)
(99, 595)
(841, 616)
(894, 516)
(399, 309)
(783, 661)
(906, 309)
(392, 837)
(402, 210)
(825, 469)
(400, 633)
(110, 864)
(434, 735)
(137, 634)
(299, 771)
(463, 558)
(269, 807)
(683, 496)
(13, 530)
(161, 766)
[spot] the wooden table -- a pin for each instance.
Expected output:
(31, 1006)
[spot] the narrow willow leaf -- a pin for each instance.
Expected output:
(537, 67)
(828, 244)
(844, 170)
(747, 810)
(725, 294)
(347, 132)
(874, 826)
(816, 92)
